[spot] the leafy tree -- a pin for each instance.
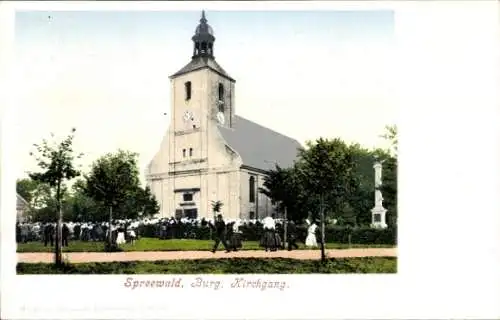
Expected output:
(217, 207)
(81, 207)
(389, 189)
(148, 202)
(26, 188)
(139, 201)
(36, 193)
(390, 175)
(391, 135)
(114, 181)
(282, 186)
(336, 179)
(327, 170)
(56, 163)
(362, 199)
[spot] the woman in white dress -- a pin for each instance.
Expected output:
(311, 235)
(120, 238)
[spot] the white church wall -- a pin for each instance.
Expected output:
(262, 205)
(227, 100)
(197, 103)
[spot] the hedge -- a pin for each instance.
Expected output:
(220, 266)
(253, 232)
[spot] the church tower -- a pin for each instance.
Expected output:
(202, 91)
(202, 101)
(208, 153)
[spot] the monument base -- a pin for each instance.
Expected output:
(378, 218)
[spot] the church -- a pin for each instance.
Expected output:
(209, 153)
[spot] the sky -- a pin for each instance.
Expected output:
(306, 74)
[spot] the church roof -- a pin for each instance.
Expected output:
(200, 62)
(258, 146)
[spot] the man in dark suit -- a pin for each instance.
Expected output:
(220, 233)
(18, 232)
(48, 234)
(65, 235)
(292, 235)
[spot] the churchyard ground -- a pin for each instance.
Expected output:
(154, 244)
(187, 256)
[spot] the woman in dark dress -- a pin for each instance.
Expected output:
(235, 239)
(270, 240)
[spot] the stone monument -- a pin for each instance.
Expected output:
(378, 211)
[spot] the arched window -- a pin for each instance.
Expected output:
(187, 87)
(221, 92)
(221, 97)
(190, 152)
(251, 186)
(184, 153)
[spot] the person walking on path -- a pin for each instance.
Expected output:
(48, 234)
(235, 239)
(311, 235)
(270, 240)
(65, 235)
(292, 235)
(220, 233)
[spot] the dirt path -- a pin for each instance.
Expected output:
(79, 257)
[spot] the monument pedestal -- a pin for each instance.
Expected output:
(378, 218)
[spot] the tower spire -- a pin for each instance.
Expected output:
(203, 39)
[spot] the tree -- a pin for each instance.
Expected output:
(56, 162)
(391, 135)
(362, 200)
(148, 202)
(281, 186)
(139, 201)
(114, 181)
(389, 186)
(327, 171)
(81, 207)
(216, 207)
(38, 195)
(389, 189)
(26, 188)
(346, 189)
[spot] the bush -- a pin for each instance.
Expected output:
(253, 232)
(360, 235)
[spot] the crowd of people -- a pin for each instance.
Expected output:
(127, 231)
(122, 231)
(230, 236)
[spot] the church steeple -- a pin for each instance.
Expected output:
(203, 39)
(203, 51)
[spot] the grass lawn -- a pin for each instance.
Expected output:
(221, 266)
(153, 244)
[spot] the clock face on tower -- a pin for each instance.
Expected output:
(188, 115)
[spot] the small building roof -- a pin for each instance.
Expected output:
(258, 146)
(21, 201)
